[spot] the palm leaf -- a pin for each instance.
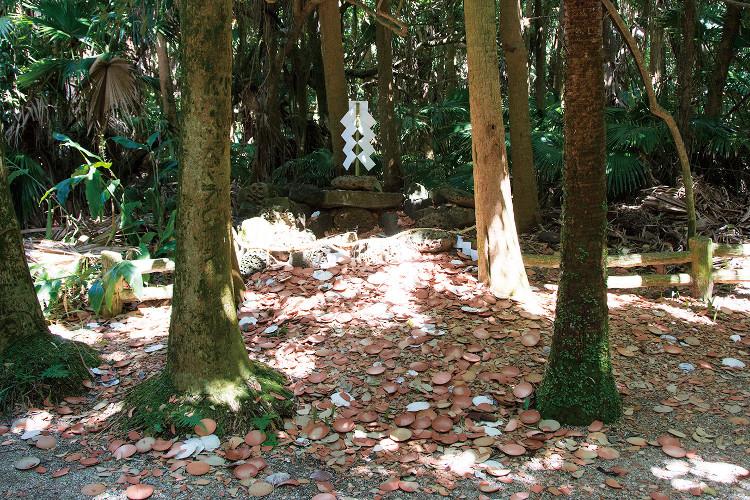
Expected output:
(113, 88)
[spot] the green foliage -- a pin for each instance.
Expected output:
(62, 291)
(315, 168)
(448, 128)
(102, 291)
(41, 366)
(27, 180)
(98, 191)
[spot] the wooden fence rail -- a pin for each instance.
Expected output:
(702, 275)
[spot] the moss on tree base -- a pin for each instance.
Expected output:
(159, 407)
(43, 366)
(578, 389)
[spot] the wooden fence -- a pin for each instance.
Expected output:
(123, 294)
(702, 274)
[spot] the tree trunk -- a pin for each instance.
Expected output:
(20, 313)
(206, 351)
(578, 385)
(525, 201)
(392, 177)
(611, 48)
(332, 49)
(165, 82)
(725, 53)
(451, 76)
(657, 110)
(685, 63)
(27, 348)
(500, 263)
(540, 56)
(656, 62)
(556, 65)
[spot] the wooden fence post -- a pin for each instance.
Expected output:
(109, 259)
(702, 267)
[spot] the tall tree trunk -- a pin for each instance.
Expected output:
(451, 76)
(556, 65)
(685, 64)
(657, 110)
(20, 313)
(392, 177)
(332, 49)
(540, 56)
(27, 348)
(525, 201)
(725, 54)
(611, 48)
(165, 82)
(500, 263)
(578, 385)
(656, 61)
(206, 351)
(317, 75)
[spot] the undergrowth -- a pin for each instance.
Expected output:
(159, 408)
(43, 367)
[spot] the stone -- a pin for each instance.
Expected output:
(389, 222)
(280, 233)
(320, 222)
(449, 194)
(285, 204)
(417, 198)
(307, 194)
(354, 219)
(426, 240)
(445, 217)
(548, 237)
(257, 192)
(356, 183)
(361, 199)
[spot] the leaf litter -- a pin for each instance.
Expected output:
(411, 377)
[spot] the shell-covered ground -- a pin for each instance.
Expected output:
(411, 381)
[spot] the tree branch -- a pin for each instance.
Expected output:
(657, 110)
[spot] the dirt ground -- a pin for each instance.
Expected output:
(411, 382)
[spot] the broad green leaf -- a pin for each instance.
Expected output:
(129, 143)
(94, 189)
(96, 296)
(152, 139)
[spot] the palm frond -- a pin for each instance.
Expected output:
(6, 26)
(59, 20)
(113, 88)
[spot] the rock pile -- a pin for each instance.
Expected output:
(355, 203)
(444, 208)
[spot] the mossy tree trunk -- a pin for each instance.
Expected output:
(332, 51)
(20, 313)
(27, 348)
(578, 385)
(392, 176)
(206, 351)
(500, 263)
(525, 200)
